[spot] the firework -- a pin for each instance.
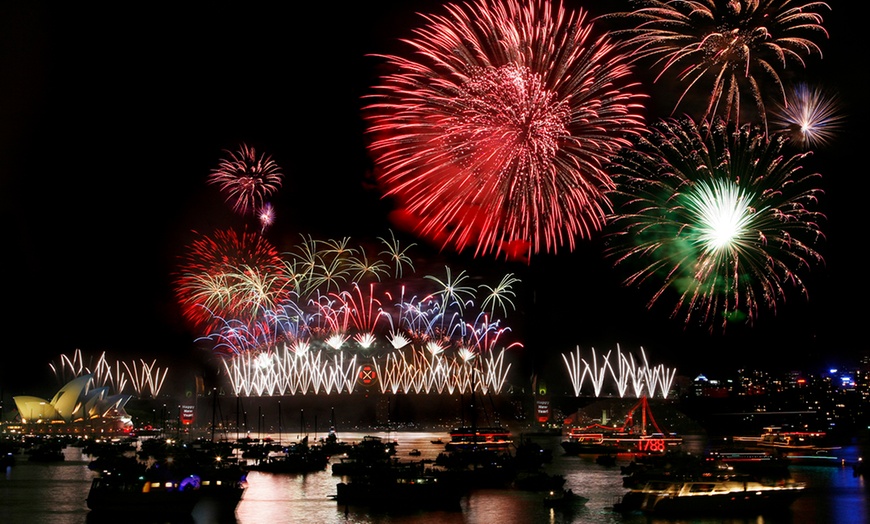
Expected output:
(397, 254)
(266, 216)
(246, 179)
(147, 380)
(229, 275)
(729, 52)
(646, 381)
(717, 213)
(299, 325)
(500, 294)
(810, 116)
(285, 372)
(494, 140)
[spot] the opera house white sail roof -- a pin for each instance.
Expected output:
(76, 401)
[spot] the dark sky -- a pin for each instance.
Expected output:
(111, 119)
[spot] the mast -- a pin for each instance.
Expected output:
(643, 416)
(213, 411)
(473, 414)
(238, 415)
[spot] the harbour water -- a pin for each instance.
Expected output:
(54, 493)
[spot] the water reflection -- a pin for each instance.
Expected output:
(35, 493)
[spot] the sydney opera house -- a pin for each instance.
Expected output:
(77, 408)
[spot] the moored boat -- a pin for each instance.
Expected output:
(564, 499)
(372, 452)
(483, 438)
(400, 486)
(295, 458)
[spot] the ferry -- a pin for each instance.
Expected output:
(481, 438)
(713, 497)
(165, 493)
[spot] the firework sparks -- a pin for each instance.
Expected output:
(728, 51)
(717, 213)
(246, 178)
(495, 139)
(810, 116)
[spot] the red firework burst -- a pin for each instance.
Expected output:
(247, 179)
(495, 137)
(229, 275)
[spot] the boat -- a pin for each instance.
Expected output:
(51, 451)
(564, 499)
(761, 463)
(713, 497)
(539, 481)
(332, 446)
(136, 490)
(400, 486)
(631, 437)
(478, 457)
(859, 468)
(481, 438)
(370, 453)
(415, 452)
(785, 441)
(531, 455)
(817, 457)
(295, 458)
(167, 478)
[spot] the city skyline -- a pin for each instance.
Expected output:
(113, 129)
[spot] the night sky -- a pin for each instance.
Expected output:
(111, 120)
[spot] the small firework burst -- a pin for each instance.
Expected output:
(810, 116)
(266, 216)
(247, 179)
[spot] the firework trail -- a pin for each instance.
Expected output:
(246, 179)
(718, 214)
(147, 380)
(732, 53)
(494, 139)
(646, 381)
